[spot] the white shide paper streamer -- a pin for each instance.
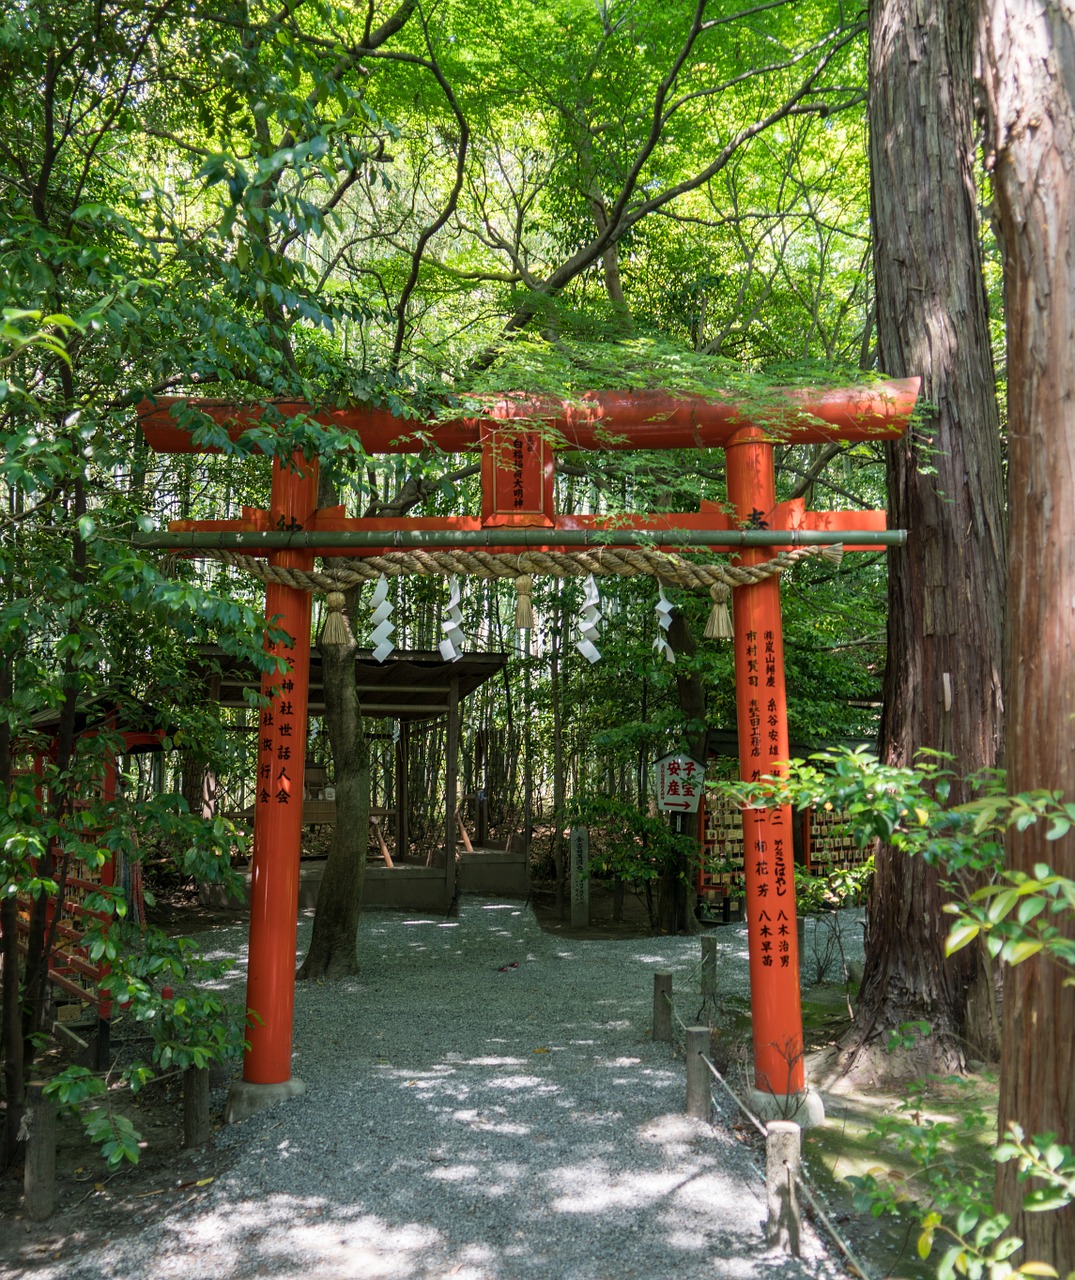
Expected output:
(590, 622)
(382, 626)
(451, 647)
(664, 621)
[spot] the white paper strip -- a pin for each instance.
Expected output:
(590, 622)
(380, 620)
(664, 621)
(451, 647)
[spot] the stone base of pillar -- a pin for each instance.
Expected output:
(246, 1099)
(806, 1109)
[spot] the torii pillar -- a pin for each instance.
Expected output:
(768, 854)
(281, 757)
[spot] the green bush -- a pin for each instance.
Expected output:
(1013, 916)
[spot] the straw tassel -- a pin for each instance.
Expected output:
(336, 630)
(524, 608)
(719, 625)
(833, 554)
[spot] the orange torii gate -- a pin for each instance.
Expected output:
(517, 461)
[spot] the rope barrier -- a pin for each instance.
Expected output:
(827, 1223)
(675, 1011)
(800, 1180)
(626, 562)
(794, 1173)
(736, 1099)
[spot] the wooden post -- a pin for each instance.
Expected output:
(452, 788)
(699, 1086)
(709, 968)
(39, 1175)
(403, 798)
(195, 1106)
(783, 1142)
(375, 823)
(762, 717)
(481, 818)
(274, 883)
(662, 1005)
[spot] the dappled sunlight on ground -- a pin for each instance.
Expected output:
(483, 1103)
(337, 1241)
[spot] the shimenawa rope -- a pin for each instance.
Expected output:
(718, 578)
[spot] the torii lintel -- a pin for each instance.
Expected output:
(600, 420)
(519, 435)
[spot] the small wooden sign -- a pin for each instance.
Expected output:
(680, 782)
(517, 478)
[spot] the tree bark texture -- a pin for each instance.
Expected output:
(332, 951)
(198, 785)
(39, 1171)
(1028, 74)
(10, 1021)
(559, 767)
(12, 1032)
(946, 588)
(679, 894)
(196, 1122)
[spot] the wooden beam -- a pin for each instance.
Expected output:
(362, 541)
(598, 420)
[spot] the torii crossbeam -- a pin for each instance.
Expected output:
(517, 460)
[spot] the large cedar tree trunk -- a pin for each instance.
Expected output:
(333, 945)
(1028, 68)
(945, 628)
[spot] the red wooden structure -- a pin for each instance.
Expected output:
(71, 969)
(517, 487)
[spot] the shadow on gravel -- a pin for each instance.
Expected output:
(484, 1103)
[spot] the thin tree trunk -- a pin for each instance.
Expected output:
(678, 892)
(14, 1078)
(945, 632)
(41, 934)
(333, 952)
(610, 260)
(558, 781)
(1028, 69)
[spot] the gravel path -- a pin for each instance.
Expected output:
(478, 1122)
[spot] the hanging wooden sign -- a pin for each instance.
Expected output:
(679, 783)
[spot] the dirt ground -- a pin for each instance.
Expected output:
(96, 1204)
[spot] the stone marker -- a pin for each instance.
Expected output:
(580, 877)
